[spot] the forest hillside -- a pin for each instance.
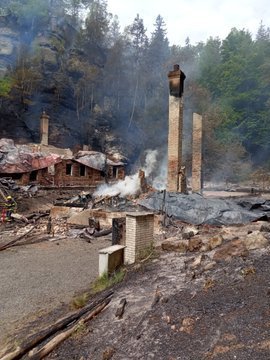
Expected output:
(109, 89)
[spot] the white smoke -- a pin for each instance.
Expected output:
(160, 180)
(150, 162)
(131, 184)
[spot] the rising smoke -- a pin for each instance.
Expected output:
(154, 172)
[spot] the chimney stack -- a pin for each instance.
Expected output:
(176, 86)
(44, 128)
(197, 154)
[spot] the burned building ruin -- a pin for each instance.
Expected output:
(176, 171)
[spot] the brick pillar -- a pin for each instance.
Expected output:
(197, 153)
(176, 85)
(44, 128)
(139, 235)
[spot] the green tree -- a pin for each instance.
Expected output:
(209, 65)
(137, 42)
(5, 86)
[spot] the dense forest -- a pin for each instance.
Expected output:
(109, 89)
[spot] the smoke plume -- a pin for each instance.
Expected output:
(131, 184)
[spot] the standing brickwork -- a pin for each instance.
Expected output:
(44, 128)
(197, 153)
(139, 235)
(176, 85)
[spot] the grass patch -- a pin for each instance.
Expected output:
(81, 329)
(105, 281)
(146, 253)
(80, 301)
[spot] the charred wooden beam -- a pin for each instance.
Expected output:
(60, 324)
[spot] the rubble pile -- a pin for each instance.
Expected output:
(196, 209)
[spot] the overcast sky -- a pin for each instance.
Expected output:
(196, 19)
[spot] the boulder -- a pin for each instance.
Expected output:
(175, 244)
(255, 240)
(232, 248)
(194, 244)
(215, 242)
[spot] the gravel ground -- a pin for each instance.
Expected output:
(40, 277)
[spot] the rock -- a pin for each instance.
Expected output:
(255, 240)
(188, 235)
(196, 262)
(265, 228)
(232, 248)
(108, 353)
(167, 319)
(189, 232)
(8, 45)
(209, 266)
(187, 325)
(174, 244)
(194, 245)
(215, 241)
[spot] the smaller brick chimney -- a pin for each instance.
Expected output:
(197, 154)
(44, 128)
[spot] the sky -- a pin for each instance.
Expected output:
(196, 19)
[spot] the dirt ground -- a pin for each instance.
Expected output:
(210, 302)
(176, 310)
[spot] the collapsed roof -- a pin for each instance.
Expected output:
(95, 160)
(23, 158)
(16, 159)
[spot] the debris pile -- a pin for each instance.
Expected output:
(196, 209)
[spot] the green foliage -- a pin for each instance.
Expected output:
(5, 86)
(125, 76)
(105, 281)
(30, 13)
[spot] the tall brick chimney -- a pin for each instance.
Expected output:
(176, 86)
(44, 128)
(197, 153)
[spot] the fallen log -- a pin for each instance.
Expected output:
(85, 236)
(19, 217)
(105, 198)
(89, 233)
(102, 233)
(38, 214)
(52, 344)
(44, 334)
(35, 239)
(11, 243)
